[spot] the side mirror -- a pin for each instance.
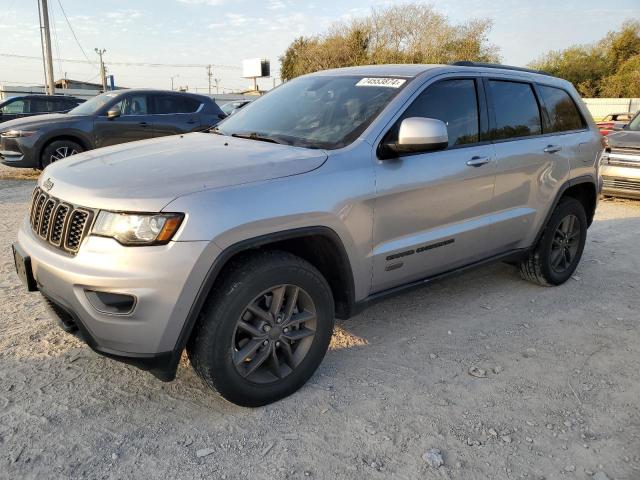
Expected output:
(417, 135)
(113, 113)
(625, 126)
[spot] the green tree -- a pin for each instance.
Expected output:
(604, 68)
(408, 33)
(625, 82)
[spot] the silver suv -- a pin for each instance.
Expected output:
(332, 191)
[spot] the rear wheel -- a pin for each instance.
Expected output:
(557, 254)
(58, 150)
(265, 330)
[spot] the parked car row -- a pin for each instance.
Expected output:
(108, 119)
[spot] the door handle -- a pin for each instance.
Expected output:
(143, 124)
(191, 121)
(552, 148)
(478, 161)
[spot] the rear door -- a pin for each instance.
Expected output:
(531, 165)
(175, 114)
(433, 210)
(134, 122)
(564, 122)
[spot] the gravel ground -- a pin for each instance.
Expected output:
(560, 399)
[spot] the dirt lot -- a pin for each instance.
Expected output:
(561, 397)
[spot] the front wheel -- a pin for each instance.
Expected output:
(557, 254)
(57, 150)
(265, 330)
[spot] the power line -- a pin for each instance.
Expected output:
(129, 64)
(55, 40)
(74, 35)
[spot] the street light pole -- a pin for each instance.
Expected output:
(175, 76)
(103, 73)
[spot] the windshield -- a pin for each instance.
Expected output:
(314, 112)
(635, 123)
(93, 106)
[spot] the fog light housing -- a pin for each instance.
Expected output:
(111, 303)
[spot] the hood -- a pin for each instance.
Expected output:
(147, 175)
(38, 120)
(626, 138)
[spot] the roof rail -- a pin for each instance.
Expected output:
(497, 65)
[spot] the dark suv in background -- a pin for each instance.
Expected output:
(29, 105)
(108, 119)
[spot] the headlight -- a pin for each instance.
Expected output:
(137, 229)
(17, 133)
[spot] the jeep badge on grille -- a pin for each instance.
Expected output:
(47, 184)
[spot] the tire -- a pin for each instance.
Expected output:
(57, 150)
(544, 265)
(250, 284)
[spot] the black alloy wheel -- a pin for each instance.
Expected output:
(274, 333)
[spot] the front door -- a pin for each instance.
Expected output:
(134, 122)
(433, 210)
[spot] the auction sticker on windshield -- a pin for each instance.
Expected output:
(381, 82)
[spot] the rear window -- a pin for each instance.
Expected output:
(516, 110)
(173, 104)
(562, 110)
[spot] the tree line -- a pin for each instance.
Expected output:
(417, 33)
(609, 67)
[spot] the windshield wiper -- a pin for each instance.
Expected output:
(258, 136)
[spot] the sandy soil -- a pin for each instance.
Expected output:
(560, 399)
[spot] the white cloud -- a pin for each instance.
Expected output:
(212, 3)
(276, 5)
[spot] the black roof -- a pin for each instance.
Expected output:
(42, 95)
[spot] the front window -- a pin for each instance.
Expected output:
(315, 112)
(132, 105)
(15, 107)
(95, 105)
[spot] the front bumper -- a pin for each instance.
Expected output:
(19, 152)
(161, 278)
(621, 180)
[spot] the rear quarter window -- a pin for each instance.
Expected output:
(563, 114)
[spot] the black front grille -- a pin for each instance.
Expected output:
(61, 224)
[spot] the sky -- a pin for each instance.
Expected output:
(174, 33)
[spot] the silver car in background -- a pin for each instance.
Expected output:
(621, 162)
(332, 191)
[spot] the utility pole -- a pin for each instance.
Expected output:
(103, 72)
(217, 80)
(210, 75)
(175, 76)
(48, 60)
